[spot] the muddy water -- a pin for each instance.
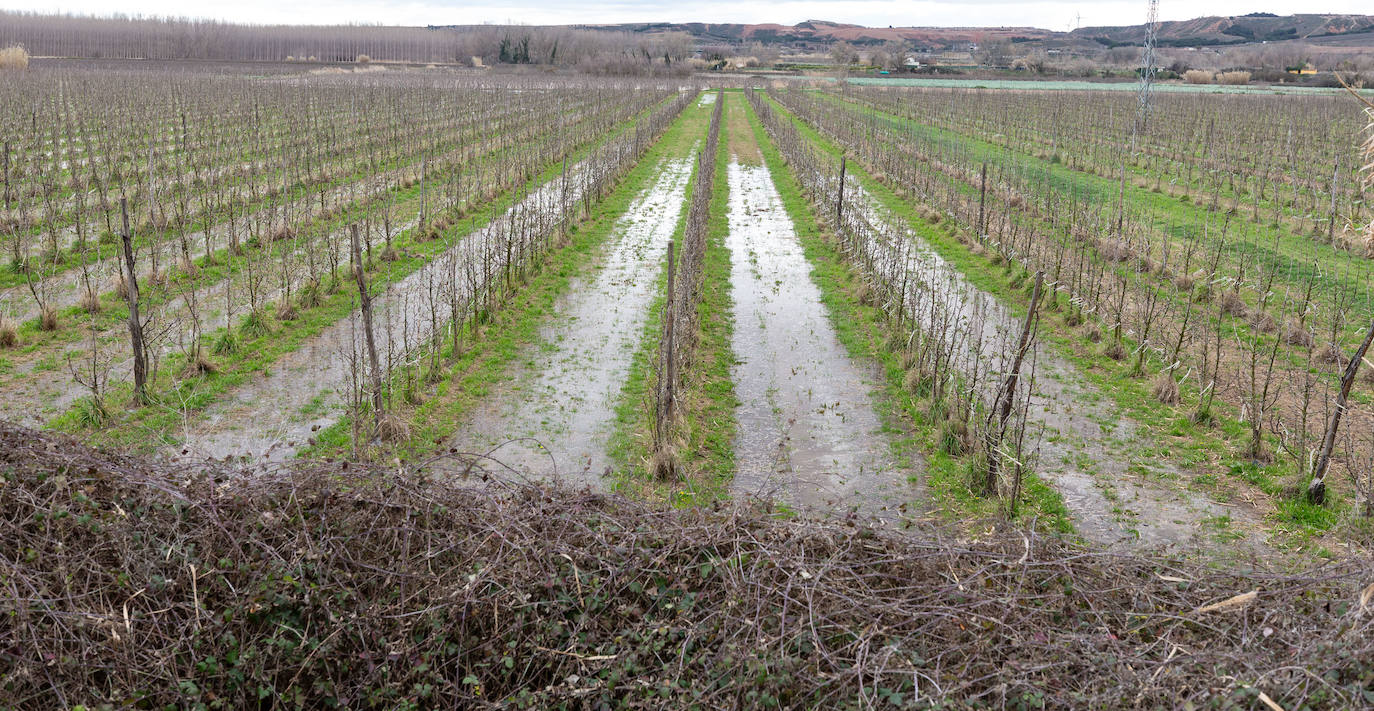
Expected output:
(808, 434)
(1085, 445)
(274, 414)
(551, 418)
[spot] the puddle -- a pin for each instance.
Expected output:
(551, 417)
(808, 434)
(707, 99)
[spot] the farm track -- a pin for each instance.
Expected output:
(551, 417)
(808, 432)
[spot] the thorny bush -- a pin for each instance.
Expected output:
(142, 583)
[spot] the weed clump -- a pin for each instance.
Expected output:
(1166, 388)
(14, 58)
(1296, 334)
(9, 332)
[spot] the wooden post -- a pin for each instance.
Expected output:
(1006, 395)
(424, 204)
(982, 203)
(839, 200)
(670, 364)
(366, 300)
(7, 176)
(1316, 491)
(131, 294)
(563, 196)
(1331, 220)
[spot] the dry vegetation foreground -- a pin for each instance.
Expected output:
(135, 582)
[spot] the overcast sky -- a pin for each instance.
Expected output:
(1051, 14)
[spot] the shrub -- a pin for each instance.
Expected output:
(1233, 78)
(522, 587)
(47, 318)
(1197, 76)
(15, 57)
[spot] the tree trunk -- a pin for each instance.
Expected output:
(366, 300)
(131, 294)
(1006, 395)
(1316, 491)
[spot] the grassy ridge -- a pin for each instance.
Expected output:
(708, 396)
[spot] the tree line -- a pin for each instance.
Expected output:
(124, 37)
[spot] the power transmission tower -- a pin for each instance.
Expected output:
(1142, 109)
(1147, 73)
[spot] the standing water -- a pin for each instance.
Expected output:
(808, 434)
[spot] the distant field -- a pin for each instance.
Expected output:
(1051, 85)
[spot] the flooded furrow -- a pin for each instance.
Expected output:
(551, 418)
(808, 432)
(1084, 442)
(306, 389)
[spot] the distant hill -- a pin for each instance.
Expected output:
(815, 33)
(1255, 27)
(1203, 31)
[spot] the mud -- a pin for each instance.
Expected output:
(808, 433)
(551, 418)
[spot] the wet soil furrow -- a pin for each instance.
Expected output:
(808, 432)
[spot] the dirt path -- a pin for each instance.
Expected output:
(808, 433)
(552, 417)
(1086, 446)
